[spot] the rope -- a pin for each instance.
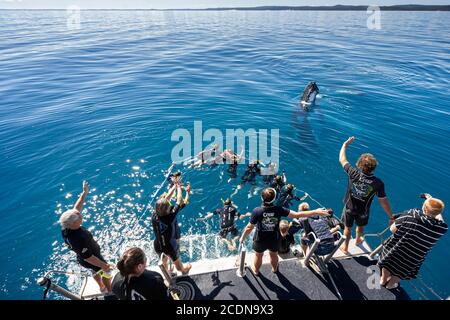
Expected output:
(148, 206)
(309, 196)
(47, 288)
(429, 288)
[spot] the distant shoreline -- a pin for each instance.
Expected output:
(280, 8)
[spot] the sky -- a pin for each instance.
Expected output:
(174, 4)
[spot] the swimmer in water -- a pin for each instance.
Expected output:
(208, 156)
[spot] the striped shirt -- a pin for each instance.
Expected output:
(405, 251)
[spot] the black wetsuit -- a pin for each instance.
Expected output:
(148, 286)
(83, 244)
(285, 243)
(232, 168)
(250, 173)
(278, 187)
(361, 190)
(268, 179)
(228, 216)
(267, 221)
(167, 232)
(285, 199)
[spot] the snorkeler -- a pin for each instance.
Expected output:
(268, 174)
(250, 173)
(279, 182)
(228, 214)
(287, 195)
(208, 156)
(232, 159)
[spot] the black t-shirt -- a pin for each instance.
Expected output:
(320, 226)
(285, 243)
(360, 190)
(166, 228)
(267, 221)
(278, 187)
(227, 216)
(251, 172)
(148, 286)
(81, 242)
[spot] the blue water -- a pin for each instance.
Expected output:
(100, 104)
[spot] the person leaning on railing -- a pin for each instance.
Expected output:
(165, 226)
(414, 234)
(361, 189)
(81, 241)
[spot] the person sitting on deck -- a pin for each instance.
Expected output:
(134, 282)
(81, 241)
(266, 219)
(286, 239)
(414, 234)
(166, 229)
(228, 215)
(361, 189)
(324, 228)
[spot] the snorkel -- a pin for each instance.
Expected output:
(265, 202)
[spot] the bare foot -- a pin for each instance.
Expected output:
(344, 250)
(359, 240)
(276, 270)
(384, 283)
(392, 286)
(254, 271)
(186, 269)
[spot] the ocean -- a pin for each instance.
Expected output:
(100, 101)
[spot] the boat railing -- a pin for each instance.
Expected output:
(45, 281)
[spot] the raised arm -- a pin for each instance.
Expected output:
(79, 204)
(179, 194)
(241, 155)
(284, 177)
(343, 152)
(306, 214)
(169, 194)
(188, 193)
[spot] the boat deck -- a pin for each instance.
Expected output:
(293, 282)
(217, 280)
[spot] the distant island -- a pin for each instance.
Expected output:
(409, 7)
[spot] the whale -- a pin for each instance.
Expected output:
(309, 94)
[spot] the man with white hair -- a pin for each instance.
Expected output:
(81, 241)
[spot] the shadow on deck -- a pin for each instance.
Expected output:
(293, 282)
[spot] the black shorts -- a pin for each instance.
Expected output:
(231, 230)
(169, 250)
(349, 218)
(87, 265)
(261, 246)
